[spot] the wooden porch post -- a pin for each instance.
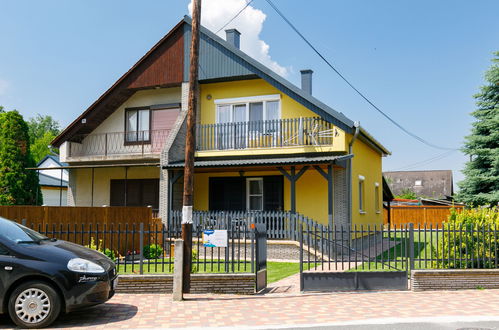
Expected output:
(293, 177)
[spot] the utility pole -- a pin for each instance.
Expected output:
(190, 146)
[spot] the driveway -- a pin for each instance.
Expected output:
(282, 310)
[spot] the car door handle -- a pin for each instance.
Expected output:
(8, 268)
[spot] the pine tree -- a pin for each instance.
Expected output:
(18, 186)
(481, 183)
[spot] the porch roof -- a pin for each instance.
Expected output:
(262, 161)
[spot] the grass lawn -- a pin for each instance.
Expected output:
(275, 270)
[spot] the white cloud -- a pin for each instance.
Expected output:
(216, 13)
(4, 85)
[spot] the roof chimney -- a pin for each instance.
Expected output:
(232, 37)
(306, 81)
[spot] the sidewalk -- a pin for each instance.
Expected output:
(159, 311)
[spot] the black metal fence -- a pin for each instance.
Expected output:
(379, 248)
(265, 134)
(141, 249)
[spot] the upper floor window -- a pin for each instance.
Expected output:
(249, 109)
(137, 124)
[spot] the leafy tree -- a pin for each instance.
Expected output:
(42, 130)
(18, 186)
(407, 194)
(481, 183)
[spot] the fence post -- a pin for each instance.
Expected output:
(411, 246)
(23, 222)
(141, 239)
(300, 237)
(178, 270)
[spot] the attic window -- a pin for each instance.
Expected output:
(418, 183)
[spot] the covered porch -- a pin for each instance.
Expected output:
(314, 187)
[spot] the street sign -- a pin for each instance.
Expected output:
(215, 238)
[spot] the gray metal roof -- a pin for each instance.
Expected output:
(218, 59)
(264, 161)
(46, 180)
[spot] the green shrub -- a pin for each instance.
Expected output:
(106, 251)
(470, 239)
(153, 251)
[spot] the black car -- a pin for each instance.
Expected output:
(41, 277)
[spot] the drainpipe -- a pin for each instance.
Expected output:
(356, 125)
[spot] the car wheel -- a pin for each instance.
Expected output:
(34, 305)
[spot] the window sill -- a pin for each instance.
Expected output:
(362, 212)
(378, 212)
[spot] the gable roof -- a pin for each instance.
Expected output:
(50, 181)
(434, 184)
(52, 157)
(218, 60)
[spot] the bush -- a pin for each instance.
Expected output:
(153, 251)
(107, 252)
(470, 239)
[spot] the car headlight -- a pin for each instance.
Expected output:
(80, 265)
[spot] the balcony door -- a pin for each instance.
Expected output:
(162, 122)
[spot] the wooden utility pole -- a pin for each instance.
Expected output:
(190, 147)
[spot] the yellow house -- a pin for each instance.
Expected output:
(262, 144)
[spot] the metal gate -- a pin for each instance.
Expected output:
(346, 259)
(260, 233)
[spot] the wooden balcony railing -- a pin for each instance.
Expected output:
(118, 143)
(265, 134)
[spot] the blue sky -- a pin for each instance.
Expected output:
(420, 61)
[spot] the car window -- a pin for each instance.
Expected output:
(17, 233)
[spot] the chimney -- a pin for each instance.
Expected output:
(232, 37)
(306, 81)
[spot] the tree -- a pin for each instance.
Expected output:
(42, 130)
(18, 186)
(407, 194)
(481, 183)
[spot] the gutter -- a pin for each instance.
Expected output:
(356, 125)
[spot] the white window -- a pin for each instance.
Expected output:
(254, 194)
(249, 109)
(137, 124)
(418, 183)
(361, 194)
(376, 198)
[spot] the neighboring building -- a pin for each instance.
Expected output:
(436, 184)
(53, 182)
(262, 143)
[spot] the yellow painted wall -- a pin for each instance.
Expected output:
(255, 87)
(311, 192)
(366, 162)
(102, 182)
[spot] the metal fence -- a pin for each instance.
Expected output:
(265, 134)
(403, 247)
(148, 248)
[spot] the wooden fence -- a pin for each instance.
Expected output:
(419, 215)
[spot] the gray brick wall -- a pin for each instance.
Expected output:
(71, 196)
(455, 279)
(200, 283)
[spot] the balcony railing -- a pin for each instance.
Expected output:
(266, 134)
(118, 143)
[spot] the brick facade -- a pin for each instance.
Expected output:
(455, 279)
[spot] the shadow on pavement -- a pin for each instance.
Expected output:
(98, 315)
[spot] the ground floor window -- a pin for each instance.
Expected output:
(136, 192)
(246, 193)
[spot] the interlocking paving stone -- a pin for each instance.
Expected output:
(159, 311)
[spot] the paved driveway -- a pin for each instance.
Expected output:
(159, 311)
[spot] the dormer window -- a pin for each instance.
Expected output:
(137, 125)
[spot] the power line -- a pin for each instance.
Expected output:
(233, 18)
(351, 85)
(426, 161)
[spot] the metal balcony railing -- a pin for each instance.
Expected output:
(265, 134)
(118, 143)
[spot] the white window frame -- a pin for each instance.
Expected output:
(247, 100)
(376, 198)
(361, 195)
(248, 180)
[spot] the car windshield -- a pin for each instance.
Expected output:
(17, 233)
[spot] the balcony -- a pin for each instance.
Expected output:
(117, 145)
(301, 134)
